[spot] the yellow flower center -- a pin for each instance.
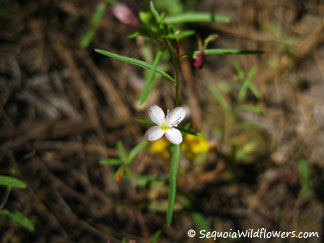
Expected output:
(164, 126)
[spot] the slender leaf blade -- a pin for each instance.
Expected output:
(145, 93)
(11, 182)
(200, 221)
(190, 131)
(156, 236)
(136, 150)
(196, 17)
(227, 51)
(253, 108)
(304, 176)
(175, 157)
(110, 162)
(155, 13)
(122, 151)
(134, 61)
(95, 21)
(148, 122)
(181, 34)
(19, 218)
(221, 101)
(247, 84)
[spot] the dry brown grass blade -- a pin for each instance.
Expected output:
(245, 33)
(196, 112)
(304, 47)
(88, 98)
(75, 147)
(112, 95)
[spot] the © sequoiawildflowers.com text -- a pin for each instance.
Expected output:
(252, 233)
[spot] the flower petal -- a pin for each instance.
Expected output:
(154, 133)
(174, 136)
(156, 114)
(176, 116)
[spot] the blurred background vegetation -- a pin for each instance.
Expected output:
(65, 109)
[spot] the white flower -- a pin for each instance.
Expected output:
(165, 125)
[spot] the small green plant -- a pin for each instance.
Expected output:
(15, 217)
(164, 32)
(124, 160)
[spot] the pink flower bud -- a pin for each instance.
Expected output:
(199, 62)
(125, 15)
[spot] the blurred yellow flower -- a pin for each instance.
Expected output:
(193, 146)
(160, 146)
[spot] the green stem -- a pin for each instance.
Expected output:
(176, 70)
(5, 199)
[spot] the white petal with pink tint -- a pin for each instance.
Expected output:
(156, 114)
(154, 133)
(176, 116)
(174, 136)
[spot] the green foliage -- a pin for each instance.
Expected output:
(196, 17)
(200, 221)
(180, 34)
(135, 62)
(156, 236)
(221, 100)
(95, 21)
(122, 151)
(110, 162)
(253, 108)
(19, 218)
(11, 182)
(138, 148)
(248, 85)
(304, 174)
(175, 157)
(224, 52)
(145, 93)
(124, 160)
(158, 27)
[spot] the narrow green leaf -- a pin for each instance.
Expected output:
(175, 157)
(247, 84)
(221, 101)
(304, 176)
(196, 17)
(200, 221)
(180, 35)
(121, 151)
(156, 236)
(19, 218)
(192, 132)
(110, 162)
(246, 125)
(145, 93)
(123, 240)
(239, 71)
(134, 62)
(136, 150)
(134, 35)
(227, 51)
(12, 182)
(155, 13)
(95, 21)
(253, 108)
(148, 122)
